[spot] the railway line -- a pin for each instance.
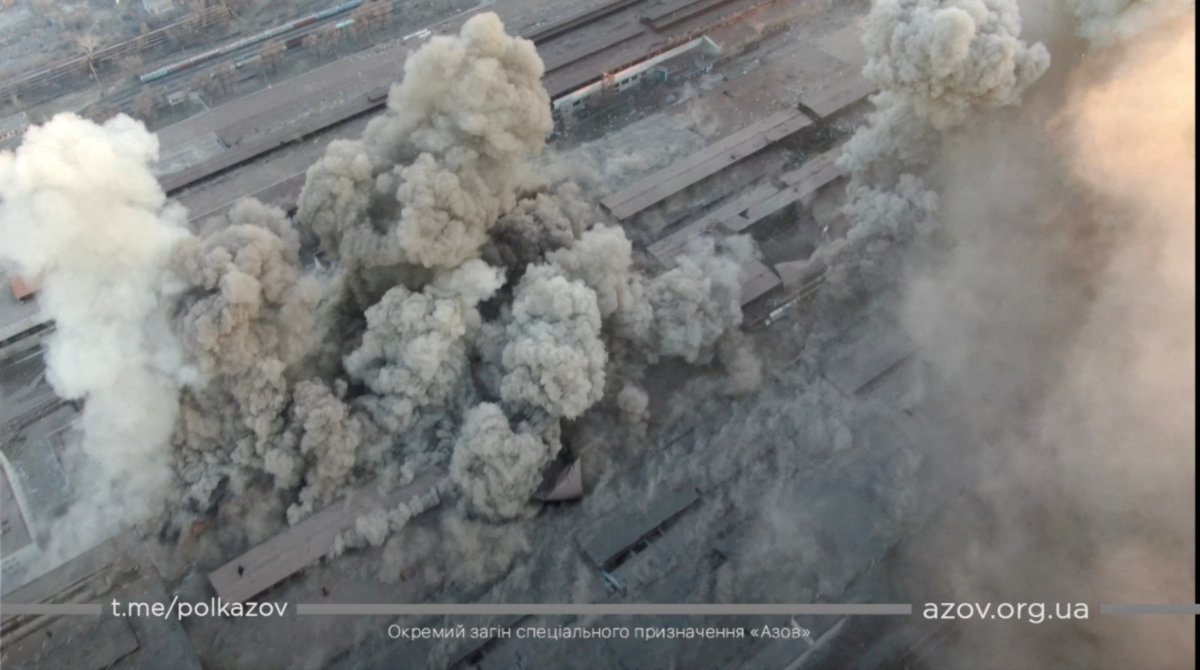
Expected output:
(578, 50)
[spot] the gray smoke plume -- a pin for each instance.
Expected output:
(496, 468)
(700, 299)
(414, 351)
(247, 315)
(1056, 314)
(603, 260)
(951, 59)
(554, 358)
(337, 193)
(82, 215)
(451, 153)
(537, 226)
(634, 405)
(461, 302)
(326, 449)
(446, 199)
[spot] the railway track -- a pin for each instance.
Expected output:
(579, 50)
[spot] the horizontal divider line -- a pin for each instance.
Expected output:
(568, 609)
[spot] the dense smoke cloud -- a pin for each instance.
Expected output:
(450, 153)
(951, 58)
(473, 302)
(414, 351)
(936, 64)
(496, 468)
(248, 313)
(337, 192)
(82, 215)
(697, 301)
(554, 359)
(446, 296)
(1055, 310)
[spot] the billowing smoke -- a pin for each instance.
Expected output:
(479, 300)
(446, 297)
(936, 63)
(82, 215)
(485, 301)
(695, 302)
(247, 315)
(538, 225)
(337, 193)
(1054, 307)
(326, 450)
(603, 260)
(950, 59)
(634, 406)
(498, 468)
(448, 156)
(414, 351)
(554, 358)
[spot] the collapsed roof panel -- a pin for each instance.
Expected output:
(873, 348)
(303, 544)
(614, 535)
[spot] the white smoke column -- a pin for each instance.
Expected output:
(82, 214)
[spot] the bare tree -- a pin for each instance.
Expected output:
(187, 30)
(88, 44)
(131, 64)
(148, 104)
(102, 111)
(312, 42)
(364, 20)
(272, 54)
(330, 39)
(209, 85)
(49, 10)
(383, 13)
(226, 75)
